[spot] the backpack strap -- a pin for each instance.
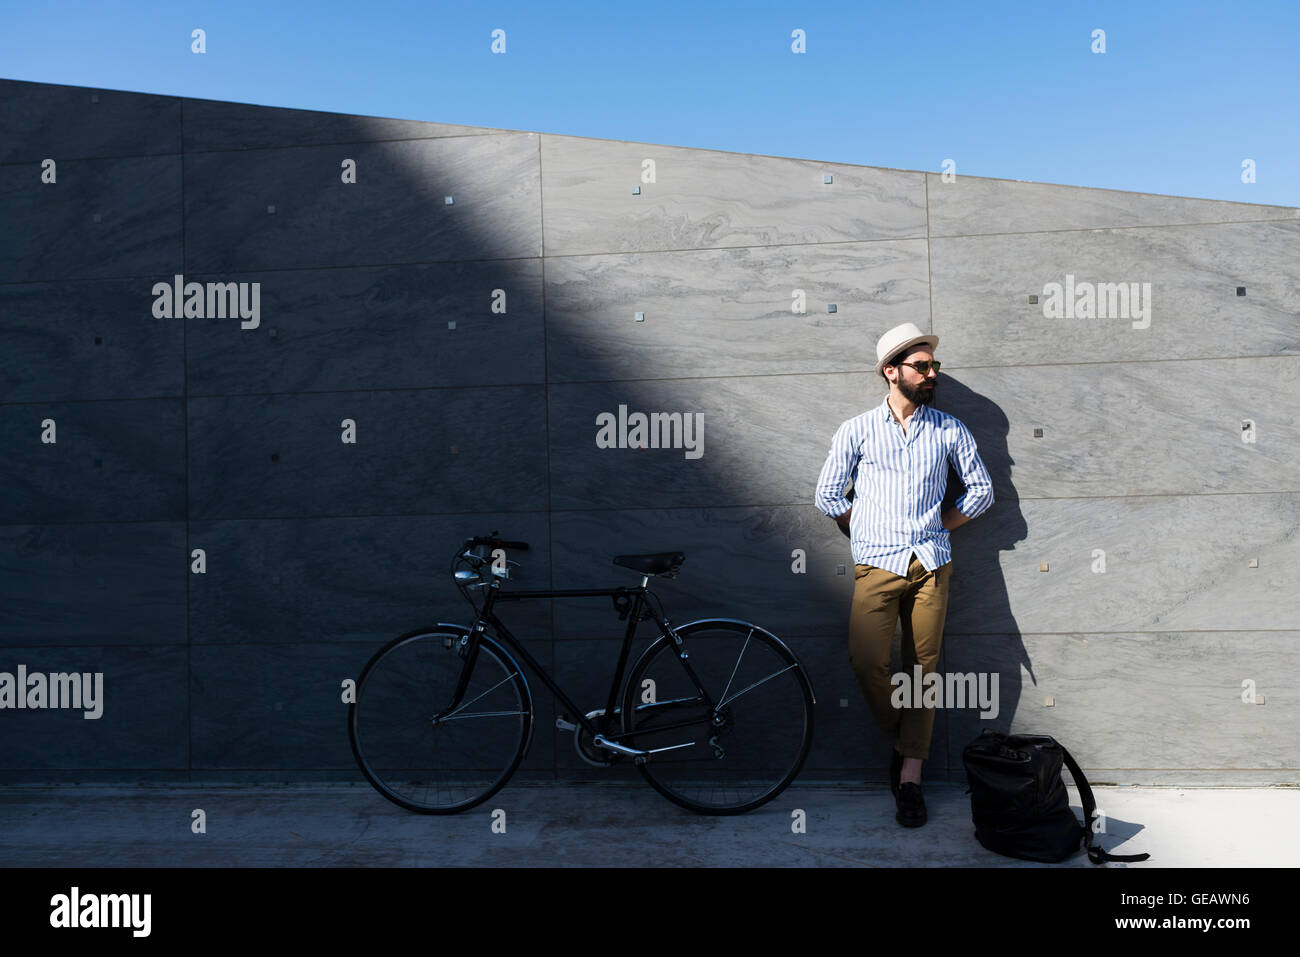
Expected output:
(1095, 853)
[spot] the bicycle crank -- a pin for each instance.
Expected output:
(637, 753)
(587, 746)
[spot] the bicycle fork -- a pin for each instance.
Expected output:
(468, 649)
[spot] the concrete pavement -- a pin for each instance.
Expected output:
(604, 824)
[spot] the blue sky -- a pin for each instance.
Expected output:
(1183, 94)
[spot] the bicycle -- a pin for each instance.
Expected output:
(716, 714)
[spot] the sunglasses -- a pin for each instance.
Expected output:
(924, 366)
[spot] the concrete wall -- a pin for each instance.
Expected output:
(183, 434)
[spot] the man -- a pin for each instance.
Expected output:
(897, 455)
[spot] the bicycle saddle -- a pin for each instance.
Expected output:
(658, 563)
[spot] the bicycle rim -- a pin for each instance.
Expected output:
(465, 758)
(745, 752)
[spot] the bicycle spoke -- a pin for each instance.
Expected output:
(759, 682)
(466, 704)
(737, 666)
(480, 714)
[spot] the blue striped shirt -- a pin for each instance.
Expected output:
(898, 484)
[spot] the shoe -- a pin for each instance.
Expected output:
(895, 770)
(911, 805)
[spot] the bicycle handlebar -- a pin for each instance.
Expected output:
(478, 561)
(494, 541)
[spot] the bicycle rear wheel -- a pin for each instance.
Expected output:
(744, 751)
(465, 758)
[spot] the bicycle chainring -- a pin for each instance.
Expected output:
(582, 743)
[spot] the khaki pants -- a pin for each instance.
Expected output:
(880, 599)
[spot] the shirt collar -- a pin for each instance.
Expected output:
(888, 413)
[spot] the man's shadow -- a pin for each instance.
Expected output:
(981, 633)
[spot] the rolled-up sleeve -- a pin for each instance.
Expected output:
(840, 463)
(965, 458)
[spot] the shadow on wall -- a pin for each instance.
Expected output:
(979, 610)
(376, 307)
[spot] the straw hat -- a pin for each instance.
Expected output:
(899, 338)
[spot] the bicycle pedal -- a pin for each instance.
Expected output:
(564, 724)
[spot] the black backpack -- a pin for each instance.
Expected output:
(1019, 803)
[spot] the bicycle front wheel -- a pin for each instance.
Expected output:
(454, 763)
(749, 746)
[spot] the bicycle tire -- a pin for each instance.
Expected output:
(411, 679)
(777, 723)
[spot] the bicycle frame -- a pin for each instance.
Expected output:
(626, 593)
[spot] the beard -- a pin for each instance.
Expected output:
(922, 394)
